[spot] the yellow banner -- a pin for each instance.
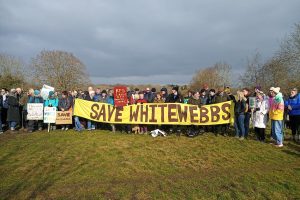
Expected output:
(156, 113)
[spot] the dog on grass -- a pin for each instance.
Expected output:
(136, 130)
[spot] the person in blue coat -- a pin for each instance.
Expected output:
(292, 104)
(52, 101)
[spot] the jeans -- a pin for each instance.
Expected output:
(91, 125)
(277, 131)
(247, 123)
(78, 126)
(12, 125)
(239, 125)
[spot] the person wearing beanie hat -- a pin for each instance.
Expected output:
(36, 92)
(276, 115)
(31, 123)
(52, 101)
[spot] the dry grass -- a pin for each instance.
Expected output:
(103, 165)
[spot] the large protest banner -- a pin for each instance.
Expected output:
(35, 111)
(156, 113)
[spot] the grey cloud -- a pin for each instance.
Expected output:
(170, 38)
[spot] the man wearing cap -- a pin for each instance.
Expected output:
(276, 115)
(293, 106)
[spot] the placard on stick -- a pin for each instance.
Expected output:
(49, 115)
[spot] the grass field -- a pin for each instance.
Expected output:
(105, 165)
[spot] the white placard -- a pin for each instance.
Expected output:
(45, 91)
(35, 111)
(50, 115)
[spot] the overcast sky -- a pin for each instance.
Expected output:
(147, 41)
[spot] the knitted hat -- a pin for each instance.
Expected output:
(275, 89)
(51, 93)
(36, 92)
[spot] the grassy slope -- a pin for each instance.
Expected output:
(103, 165)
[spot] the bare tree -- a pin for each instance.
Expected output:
(59, 69)
(215, 76)
(253, 75)
(289, 56)
(11, 72)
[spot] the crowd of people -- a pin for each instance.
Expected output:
(271, 106)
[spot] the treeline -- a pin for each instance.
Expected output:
(59, 69)
(282, 69)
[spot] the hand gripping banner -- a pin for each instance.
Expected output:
(156, 113)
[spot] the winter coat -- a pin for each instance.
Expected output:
(240, 107)
(110, 100)
(64, 103)
(102, 100)
(223, 98)
(13, 112)
(53, 102)
(260, 114)
(174, 98)
(211, 99)
(203, 100)
(277, 107)
(1, 103)
(97, 97)
(149, 96)
(194, 101)
(294, 102)
(35, 99)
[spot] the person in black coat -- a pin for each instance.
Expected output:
(13, 112)
(174, 97)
